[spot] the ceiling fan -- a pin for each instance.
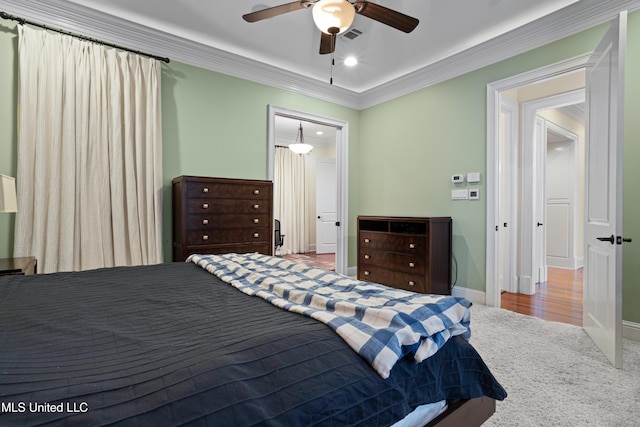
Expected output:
(333, 17)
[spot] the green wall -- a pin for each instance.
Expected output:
(401, 153)
(416, 142)
(216, 125)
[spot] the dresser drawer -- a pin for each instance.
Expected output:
(228, 235)
(238, 248)
(211, 190)
(208, 221)
(404, 263)
(409, 282)
(231, 206)
(402, 243)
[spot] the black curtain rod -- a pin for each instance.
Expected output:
(23, 21)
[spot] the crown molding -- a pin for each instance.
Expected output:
(570, 20)
(78, 19)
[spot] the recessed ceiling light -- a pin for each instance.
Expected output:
(319, 132)
(350, 61)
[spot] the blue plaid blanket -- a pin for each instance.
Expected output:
(381, 324)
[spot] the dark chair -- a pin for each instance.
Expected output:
(279, 237)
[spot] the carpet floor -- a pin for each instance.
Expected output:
(554, 374)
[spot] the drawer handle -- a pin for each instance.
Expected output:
(412, 283)
(205, 190)
(256, 192)
(256, 234)
(205, 221)
(366, 273)
(256, 220)
(256, 206)
(412, 265)
(367, 257)
(205, 237)
(367, 241)
(412, 246)
(205, 206)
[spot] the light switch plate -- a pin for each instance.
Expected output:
(473, 177)
(459, 194)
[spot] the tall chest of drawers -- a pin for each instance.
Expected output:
(406, 252)
(221, 215)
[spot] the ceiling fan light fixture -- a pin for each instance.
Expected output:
(330, 15)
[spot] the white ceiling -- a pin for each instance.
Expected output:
(453, 37)
(291, 41)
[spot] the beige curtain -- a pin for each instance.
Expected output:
(291, 204)
(89, 154)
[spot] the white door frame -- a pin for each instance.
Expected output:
(533, 150)
(508, 182)
(492, 290)
(342, 169)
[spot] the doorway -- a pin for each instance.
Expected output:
(334, 146)
(603, 184)
(547, 201)
(507, 209)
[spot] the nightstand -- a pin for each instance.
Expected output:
(18, 266)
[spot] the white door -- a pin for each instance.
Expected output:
(326, 206)
(603, 232)
(539, 183)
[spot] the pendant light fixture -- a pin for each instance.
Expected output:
(300, 147)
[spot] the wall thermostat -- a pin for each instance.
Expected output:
(457, 178)
(474, 194)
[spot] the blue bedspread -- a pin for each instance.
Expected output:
(381, 324)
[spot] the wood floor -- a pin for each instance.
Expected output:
(559, 299)
(326, 261)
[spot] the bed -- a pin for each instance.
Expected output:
(173, 344)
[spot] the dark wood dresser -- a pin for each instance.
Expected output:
(221, 215)
(406, 252)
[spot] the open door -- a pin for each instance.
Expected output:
(603, 193)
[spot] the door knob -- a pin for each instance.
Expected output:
(540, 224)
(611, 239)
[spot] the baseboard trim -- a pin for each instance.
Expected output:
(475, 296)
(631, 330)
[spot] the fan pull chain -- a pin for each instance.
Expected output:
(333, 62)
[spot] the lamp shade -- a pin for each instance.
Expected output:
(299, 148)
(8, 200)
(331, 14)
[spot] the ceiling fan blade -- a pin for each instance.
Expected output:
(327, 43)
(387, 16)
(274, 11)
